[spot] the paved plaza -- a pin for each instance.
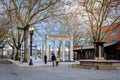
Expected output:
(63, 72)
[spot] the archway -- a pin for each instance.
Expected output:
(60, 46)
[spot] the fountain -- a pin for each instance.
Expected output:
(99, 62)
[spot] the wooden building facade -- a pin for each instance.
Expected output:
(82, 52)
(111, 52)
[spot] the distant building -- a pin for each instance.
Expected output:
(7, 50)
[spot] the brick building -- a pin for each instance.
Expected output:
(111, 33)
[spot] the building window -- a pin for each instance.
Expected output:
(104, 34)
(114, 31)
(114, 41)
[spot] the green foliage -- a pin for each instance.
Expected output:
(3, 56)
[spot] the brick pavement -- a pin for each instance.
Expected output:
(11, 72)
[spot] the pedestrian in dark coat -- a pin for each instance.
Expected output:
(45, 59)
(53, 59)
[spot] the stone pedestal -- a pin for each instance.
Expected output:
(99, 58)
(100, 65)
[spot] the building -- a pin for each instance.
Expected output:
(110, 35)
(86, 52)
(111, 52)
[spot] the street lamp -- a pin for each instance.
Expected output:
(31, 29)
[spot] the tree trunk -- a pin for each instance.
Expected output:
(13, 52)
(26, 46)
(17, 55)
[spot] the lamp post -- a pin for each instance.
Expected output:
(31, 29)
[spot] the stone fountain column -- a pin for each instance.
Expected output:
(99, 54)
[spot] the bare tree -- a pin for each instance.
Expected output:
(13, 35)
(29, 13)
(100, 12)
(68, 21)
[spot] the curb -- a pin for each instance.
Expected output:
(20, 64)
(12, 62)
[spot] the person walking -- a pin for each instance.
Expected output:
(53, 59)
(57, 61)
(45, 59)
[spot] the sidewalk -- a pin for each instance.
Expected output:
(40, 62)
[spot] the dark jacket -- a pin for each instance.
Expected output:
(45, 59)
(53, 58)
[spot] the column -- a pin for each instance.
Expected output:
(49, 52)
(36, 54)
(55, 48)
(47, 48)
(63, 51)
(71, 50)
(99, 52)
(42, 53)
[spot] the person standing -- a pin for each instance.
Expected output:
(53, 59)
(57, 61)
(45, 59)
